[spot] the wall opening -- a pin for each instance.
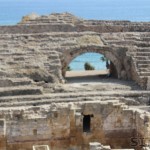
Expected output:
(87, 123)
(98, 61)
(90, 64)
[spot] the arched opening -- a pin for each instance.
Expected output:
(119, 68)
(95, 60)
(90, 65)
(115, 63)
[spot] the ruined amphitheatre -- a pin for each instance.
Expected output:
(39, 111)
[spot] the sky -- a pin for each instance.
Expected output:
(11, 11)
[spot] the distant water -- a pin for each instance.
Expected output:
(92, 58)
(11, 12)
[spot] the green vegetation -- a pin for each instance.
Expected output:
(104, 59)
(69, 68)
(88, 66)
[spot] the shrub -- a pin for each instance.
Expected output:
(69, 68)
(88, 66)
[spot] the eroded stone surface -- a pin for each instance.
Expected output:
(61, 125)
(37, 109)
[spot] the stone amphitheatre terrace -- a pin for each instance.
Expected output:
(39, 110)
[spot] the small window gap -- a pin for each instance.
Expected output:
(87, 123)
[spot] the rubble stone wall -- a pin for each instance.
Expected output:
(60, 126)
(45, 57)
(41, 47)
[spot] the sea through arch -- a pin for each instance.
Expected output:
(89, 66)
(76, 60)
(95, 60)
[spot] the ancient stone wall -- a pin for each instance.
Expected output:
(27, 29)
(36, 114)
(54, 41)
(45, 57)
(61, 126)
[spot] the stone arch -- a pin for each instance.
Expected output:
(108, 52)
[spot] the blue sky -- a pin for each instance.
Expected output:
(11, 11)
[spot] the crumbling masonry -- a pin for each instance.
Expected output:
(37, 112)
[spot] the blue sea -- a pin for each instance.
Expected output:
(11, 12)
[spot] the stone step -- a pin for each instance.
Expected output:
(143, 44)
(47, 105)
(42, 101)
(144, 69)
(143, 49)
(36, 98)
(145, 39)
(51, 57)
(130, 42)
(4, 51)
(50, 51)
(132, 38)
(22, 57)
(143, 53)
(54, 61)
(143, 62)
(144, 73)
(58, 100)
(20, 90)
(6, 82)
(141, 58)
(143, 65)
(75, 95)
